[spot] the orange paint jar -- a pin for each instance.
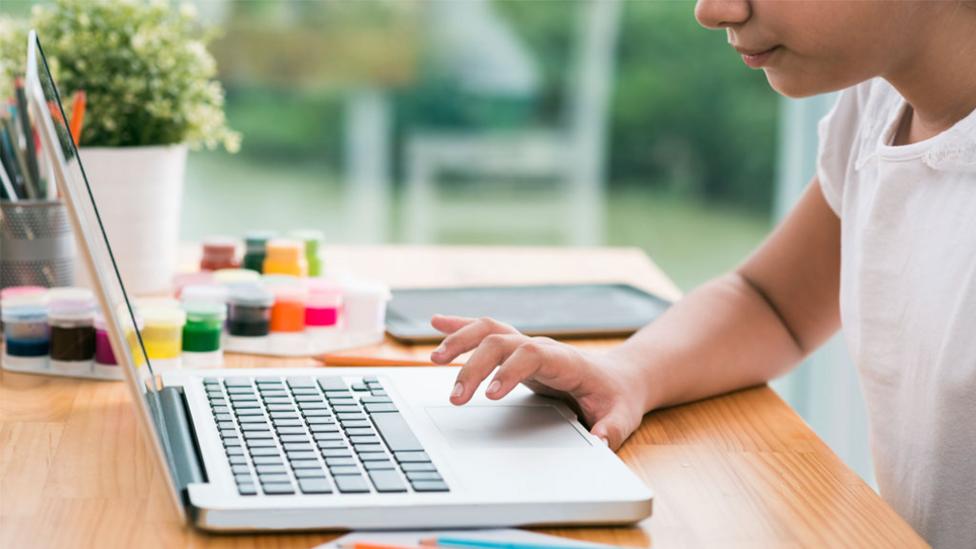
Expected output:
(288, 311)
(286, 257)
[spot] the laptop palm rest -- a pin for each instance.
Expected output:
(505, 426)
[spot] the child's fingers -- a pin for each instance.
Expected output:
(449, 324)
(494, 350)
(467, 338)
(521, 365)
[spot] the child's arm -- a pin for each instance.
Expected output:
(735, 331)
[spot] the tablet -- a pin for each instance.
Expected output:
(573, 310)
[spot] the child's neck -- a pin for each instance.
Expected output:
(939, 79)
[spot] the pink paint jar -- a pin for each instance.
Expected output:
(322, 310)
(103, 346)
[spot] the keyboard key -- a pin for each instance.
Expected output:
(287, 422)
(333, 383)
(281, 408)
(284, 414)
(292, 439)
(339, 462)
(375, 400)
(267, 460)
(224, 417)
(249, 412)
(298, 447)
(314, 486)
(265, 452)
(291, 431)
(412, 457)
(372, 456)
(320, 420)
(317, 413)
(270, 470)
(235, 451)
(323, 428)
(267, 380)
(237, 382)
(242, 478)
(277, 400)
(377, 408)
(277, 488)
(429, 486)
(228, 433)
(304, 406)
(360, 439)
(339, 397)
(359, 386)
(361, 448)
(346, 408)
(336, 453)
(396, 433)
(351, 484)
(344, 470)
(305, 464)
(261, 443)
(309, 473)
(332, 444)
(330, 435)
(272, 478)
(409, 467)
(347, 417)
(300, 382)
(240, 469)
(252, 435)
(229, 442)
(423, 475)
(247, 489)
(255, 428)
(388, 481)
(301, 455)
(377, 465)
(251, 419)
(237, 460)
(360, 431)
(221, 410)
(357, 424)
(248, 390)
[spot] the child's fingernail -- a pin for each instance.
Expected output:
(440, 349)
(605, 441)
(495, 386)
(458, 389)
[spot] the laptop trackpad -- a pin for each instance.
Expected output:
(503, 426)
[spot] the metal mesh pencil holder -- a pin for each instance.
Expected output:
(36, 244)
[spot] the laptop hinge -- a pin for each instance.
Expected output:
(182, 452)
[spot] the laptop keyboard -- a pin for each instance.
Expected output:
(316, 435)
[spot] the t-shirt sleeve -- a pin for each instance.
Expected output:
(837, 134)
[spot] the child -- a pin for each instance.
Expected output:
(882, 243)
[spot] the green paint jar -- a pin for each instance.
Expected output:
(202, 333)
(255, 246)
(312, 240)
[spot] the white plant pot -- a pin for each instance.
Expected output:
(139, 194)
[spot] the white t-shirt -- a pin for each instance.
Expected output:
(908, 302)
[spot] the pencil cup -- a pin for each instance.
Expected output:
(36, 244)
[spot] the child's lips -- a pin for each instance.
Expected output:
(757, 58)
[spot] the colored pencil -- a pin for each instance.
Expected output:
(15, 159)
(462, 543)
(371, 545)
(338, 359)
(78, 114)
(8, 187)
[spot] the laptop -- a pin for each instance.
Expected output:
(358, 448)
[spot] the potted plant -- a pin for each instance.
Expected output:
(151, 95)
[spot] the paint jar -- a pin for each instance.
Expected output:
(364, 306)
(219, 253)
(198, 278)
(155, 303)
(255, 243)
(71, 315)
(14, 291)
(284, 256)
(312, 239)
(209, 293)
(202, 333)
(162, 335)
(26, 331)
(229, 277)
(323, 305)
(288, 311)
(106, 365)
(249, 310)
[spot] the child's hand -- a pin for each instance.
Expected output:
(596, 384)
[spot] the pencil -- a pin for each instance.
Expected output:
(77, 114)
(28, 134)
(370, 545)
(338, 359)
(8, 187)
(462, 543)
(15, 160)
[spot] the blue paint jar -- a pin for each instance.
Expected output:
(25, 329)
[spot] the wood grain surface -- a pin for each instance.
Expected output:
(741, 470)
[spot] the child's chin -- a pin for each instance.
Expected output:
(796, 86)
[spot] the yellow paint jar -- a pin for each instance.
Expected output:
(162, 334)
(284, 256)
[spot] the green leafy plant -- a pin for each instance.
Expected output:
(145, 69)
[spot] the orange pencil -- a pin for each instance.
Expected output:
(77, 114)
(338, 359)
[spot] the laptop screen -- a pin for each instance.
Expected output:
(60, 160)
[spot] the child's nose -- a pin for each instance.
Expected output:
(716, 14)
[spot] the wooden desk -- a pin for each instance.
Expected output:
(738, 470)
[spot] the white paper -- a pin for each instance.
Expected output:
(412, 538)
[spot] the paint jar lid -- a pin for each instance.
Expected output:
(255, 241)
(183, 280)
(211, 293)
(235, 276)
(290, 292)
(285, 250)
(312, 239)
(219, 245)
(24, 307)
(25, 298)
(163, 316)
(250, 295)
(323, 291)
(71, 303)
(205, 311)
(14, 291)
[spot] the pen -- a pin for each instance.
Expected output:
(77, 114)
(28, 134)
(370, 545)
(462, 543)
